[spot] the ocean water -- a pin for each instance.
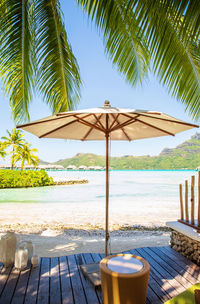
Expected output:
(136, 197)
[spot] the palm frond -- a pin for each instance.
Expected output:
(15, 53)
(187, 18)
(168, 30)
(172, 32)
(58, 76)
(2, 150)
(123, 44)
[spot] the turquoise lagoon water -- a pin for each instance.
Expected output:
(136, 197)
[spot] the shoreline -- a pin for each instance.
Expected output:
(33, 228)
(55, 243)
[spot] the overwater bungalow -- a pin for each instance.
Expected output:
(29, 167)
(83, 168)
(71, 167)
(98, 168)
(4, 166)
(91, 168)
(59, 167)
(50, 167)
(42, 167)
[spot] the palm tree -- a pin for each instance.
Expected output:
(2, 150)
(14, 140)
(139, 36)
(26, 154)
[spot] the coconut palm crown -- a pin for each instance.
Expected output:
(138, 35)
(26, 154)
(15, 139)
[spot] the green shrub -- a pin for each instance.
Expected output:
(19, 179)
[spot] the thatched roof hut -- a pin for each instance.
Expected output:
(98, 168)
(82, 168)
(71, 167)
(91, 168)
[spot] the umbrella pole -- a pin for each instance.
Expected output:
(107, 193)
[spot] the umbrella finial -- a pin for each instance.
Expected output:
(107, 104)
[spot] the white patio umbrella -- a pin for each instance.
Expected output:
(107, 123)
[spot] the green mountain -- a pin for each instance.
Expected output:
(184, 156)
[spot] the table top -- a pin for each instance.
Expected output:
(125, 264)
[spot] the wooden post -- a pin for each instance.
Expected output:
(198, 219)
(192, 199)
(107, 189)
(186, 201)
(181, 200)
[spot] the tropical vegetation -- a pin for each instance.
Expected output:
(2, 150)
(19, 179)
(14, 140)
(26, 154)
(20, 149)
(139, 36)
(184, 156)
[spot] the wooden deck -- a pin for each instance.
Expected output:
(59, 280)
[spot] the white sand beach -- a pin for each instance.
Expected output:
(51, 243)
(62, 220)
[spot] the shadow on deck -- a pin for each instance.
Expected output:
(59, 280)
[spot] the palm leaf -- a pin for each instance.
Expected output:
(58, 76)
(169, 31)
(15, 53)
(123, 44)
(172, 30)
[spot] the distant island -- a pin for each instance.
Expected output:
(184, 156)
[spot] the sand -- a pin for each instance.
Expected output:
(54, 243)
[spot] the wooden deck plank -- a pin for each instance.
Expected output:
(66, 288)
(168, 285)
(182, 261)
(32, 288)
(60, 280)
(87, 258)
(55, 292)
(10, 286)
(90, 292)
(20, 291)
(155, 284)
(5, 272)
(43, 288)
(175, 266)
(96, 259)
(173, 273)
(152, 296)
(78, 291)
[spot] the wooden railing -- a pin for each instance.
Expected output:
(186, 217)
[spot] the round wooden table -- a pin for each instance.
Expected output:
(124, 279)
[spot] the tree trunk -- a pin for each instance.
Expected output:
(22, 164)
(12, 160)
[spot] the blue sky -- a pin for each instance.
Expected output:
(101, 81)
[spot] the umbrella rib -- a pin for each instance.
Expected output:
(89, 124)
(116, 117)
(154, 127)
(60, 127)
(169, 120)
(47, 120)
(124, 124)
(121, 128)
(86, 135)
(98, 120)
(38, 122)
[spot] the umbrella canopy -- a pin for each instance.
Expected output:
(107, 123)
(120, 124)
